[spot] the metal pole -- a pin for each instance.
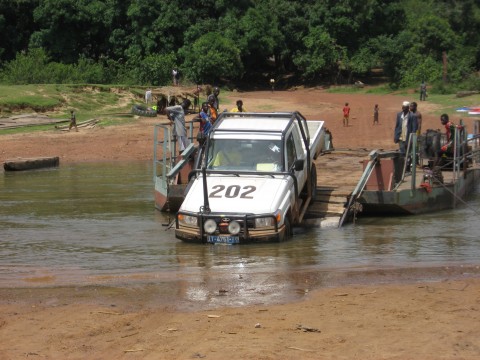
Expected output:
(166, 142)
(155, 137)
(413, 166)
(455, 157)
(206, 205)
(405, 161)
(455, 166)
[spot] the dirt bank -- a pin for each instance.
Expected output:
(134, 141)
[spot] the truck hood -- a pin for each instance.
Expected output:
(240, 194)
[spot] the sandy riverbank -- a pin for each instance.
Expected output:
(439, 320)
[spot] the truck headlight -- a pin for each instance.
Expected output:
(268, 221)
(234, 228)
(187, 220)
(210, 226)
(263, 222)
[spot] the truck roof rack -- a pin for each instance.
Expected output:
(219, 125)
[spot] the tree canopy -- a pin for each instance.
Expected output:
(238, 41)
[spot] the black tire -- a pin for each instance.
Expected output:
(313, 180)
(141, 110)
(287, 235)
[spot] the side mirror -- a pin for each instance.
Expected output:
(298, 165)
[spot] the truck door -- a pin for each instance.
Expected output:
(294, 152)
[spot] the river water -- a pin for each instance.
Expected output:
(95, 224)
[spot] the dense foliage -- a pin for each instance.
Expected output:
(239, 41)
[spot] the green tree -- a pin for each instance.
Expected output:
(321, 57)
(290, 15)
(211, 58)
(16, 25)
(259, 35)
(69, 28)
(328, 40)
(429, 36)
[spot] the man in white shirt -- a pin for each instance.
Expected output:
(148, 96)
(406, 124)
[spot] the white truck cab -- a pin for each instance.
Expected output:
(255, 179)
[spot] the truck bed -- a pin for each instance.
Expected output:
(316, 129)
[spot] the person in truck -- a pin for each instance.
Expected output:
(227, 155)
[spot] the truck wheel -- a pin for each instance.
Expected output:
(313, 180)
(288, 230)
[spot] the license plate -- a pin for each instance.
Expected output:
(213, 239)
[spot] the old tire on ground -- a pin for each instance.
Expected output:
(142, 110)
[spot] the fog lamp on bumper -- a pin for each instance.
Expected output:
(210, 226)
(234, 227)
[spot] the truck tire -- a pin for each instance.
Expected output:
(313, 180)
(288, 230)
(141, 110)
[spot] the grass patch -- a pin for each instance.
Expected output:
(348, 89)
(449, 103)
(110, 104)
(32, 102)
(37, 97)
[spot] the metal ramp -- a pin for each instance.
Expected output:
(168, 167)
(349, 208)
(337, 175)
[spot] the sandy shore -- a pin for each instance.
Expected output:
(438, 320)
(428, 320)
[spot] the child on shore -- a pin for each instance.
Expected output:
(346, 114)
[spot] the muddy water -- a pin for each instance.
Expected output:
(95, 224)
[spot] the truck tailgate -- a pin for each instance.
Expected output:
(316, 129)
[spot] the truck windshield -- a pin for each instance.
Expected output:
(246, 155)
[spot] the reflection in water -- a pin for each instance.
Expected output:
(96, 224)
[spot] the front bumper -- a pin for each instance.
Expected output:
(268, 235)
(250, 231)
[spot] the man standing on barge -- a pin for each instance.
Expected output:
(406, 125)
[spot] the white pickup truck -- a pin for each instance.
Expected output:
(255, 179)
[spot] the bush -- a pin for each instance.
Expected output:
(472, 83)
(27, 68)
(89, 72)
(34, 67)
(153, 70)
